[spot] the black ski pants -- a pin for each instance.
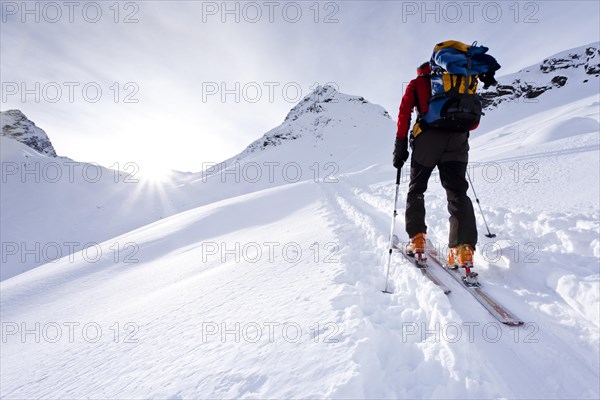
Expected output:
(449, 152)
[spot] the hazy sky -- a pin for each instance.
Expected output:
(174, 84)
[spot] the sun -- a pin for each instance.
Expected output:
(155, 173)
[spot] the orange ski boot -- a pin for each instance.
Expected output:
(464, 259)
(452, 264)
(416, 247)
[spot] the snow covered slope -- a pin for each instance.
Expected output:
(57, 206)
(270, 287)
(53, 206)
(544, 148)
(574, 66)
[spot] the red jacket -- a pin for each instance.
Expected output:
(417, 94)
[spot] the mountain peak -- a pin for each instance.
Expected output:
(316, 102)
(324, 109)
(17, 126)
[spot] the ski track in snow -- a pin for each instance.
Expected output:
(520, 347)
(370, 314)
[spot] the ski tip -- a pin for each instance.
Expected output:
(386, 292)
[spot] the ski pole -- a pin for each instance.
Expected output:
(387, 274)
(489, 234)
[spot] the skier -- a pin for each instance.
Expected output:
(449, 152)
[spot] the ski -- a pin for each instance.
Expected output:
(423, 268)
(500, 312)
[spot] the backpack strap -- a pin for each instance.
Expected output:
(468, 82)
(454, 89)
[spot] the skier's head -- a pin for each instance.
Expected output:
(424, 69)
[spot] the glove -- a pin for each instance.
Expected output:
(400, 153)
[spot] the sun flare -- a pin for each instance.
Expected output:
(155, 173)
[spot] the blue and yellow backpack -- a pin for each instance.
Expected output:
(456, 68)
